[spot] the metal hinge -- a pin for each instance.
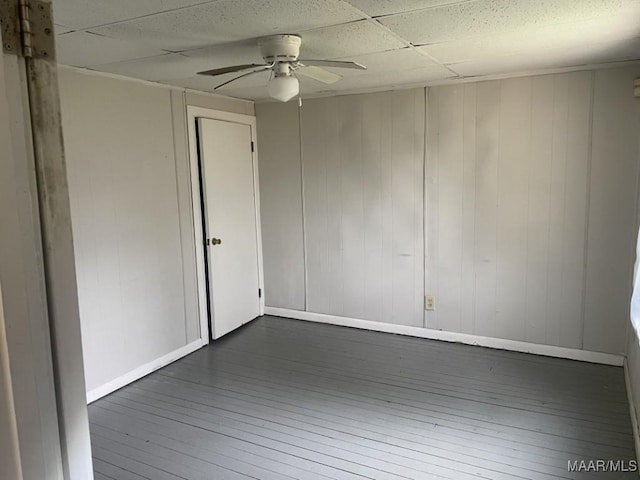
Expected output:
(259, 293)
(27, 28)
(252, 147)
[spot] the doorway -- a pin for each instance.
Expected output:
(224, 179)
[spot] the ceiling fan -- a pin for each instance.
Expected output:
(280, 53)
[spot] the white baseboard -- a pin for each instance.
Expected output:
(497, 343)
(632, 409)
(143, 370)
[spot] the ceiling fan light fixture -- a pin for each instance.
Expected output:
(283, 87)
(280, 53)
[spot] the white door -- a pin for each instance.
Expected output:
(226, 160)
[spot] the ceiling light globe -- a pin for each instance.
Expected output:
(283, 88)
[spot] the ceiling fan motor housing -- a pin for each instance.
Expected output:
(280, 48)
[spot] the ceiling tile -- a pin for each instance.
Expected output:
(207, 84)
(348, 40)
(82, 49)
(60, 29)
(484, 17)
(471, 37)
(163, 67)
(397, 78)
(238, 53)
(226, 21)
(377, 8)
(537, 40)
(389, 61)
(197, 82)
(383, 81)
(556, 58)
(90, 13)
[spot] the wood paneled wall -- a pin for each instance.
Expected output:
(133, 225)
(126, 223)
(355, 166)
(362, 159)
(507, 183)
(613, 209)
(529, 205)
(281, 217)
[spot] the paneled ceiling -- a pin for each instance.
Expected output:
(402, 42)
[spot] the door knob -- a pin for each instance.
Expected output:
(216, 241)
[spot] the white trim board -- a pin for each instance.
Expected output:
(497, 343)
(142, 371)
(632, 409)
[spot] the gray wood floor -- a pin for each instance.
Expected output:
(289, 399)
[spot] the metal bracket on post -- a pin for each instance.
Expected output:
(27, 28)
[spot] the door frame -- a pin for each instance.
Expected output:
(193, 113)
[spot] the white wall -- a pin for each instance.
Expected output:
(506, 209)
(128, 167)
(281, 189)
(632, 122)
(362, 197)
(532, 187)
(612, 209)
(530, 204)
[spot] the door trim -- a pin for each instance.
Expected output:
(193, 113)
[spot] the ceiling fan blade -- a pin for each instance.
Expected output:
(319, 74)
(235, 68)
(332, 63)
(268, 67)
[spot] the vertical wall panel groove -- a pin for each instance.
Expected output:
(131, 222)
(367, 153)
(612, 222)
(534, 199)
(519, 201)
(302, 219)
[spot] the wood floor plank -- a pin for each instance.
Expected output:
(359, 461)
(442, 436)
(424, 449)
(168, 460)
(282, 399)
(205, 445)
(356, 336)
(115, 472)
(608, 420)
(518, 369)
(416, 421)
(509, 366)
(140, 465)
(507, 421)
(425, 462)
(100, 476)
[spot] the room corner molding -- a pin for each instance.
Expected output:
(143, 370)
(467, 339)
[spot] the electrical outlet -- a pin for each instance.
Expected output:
(429, 302)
